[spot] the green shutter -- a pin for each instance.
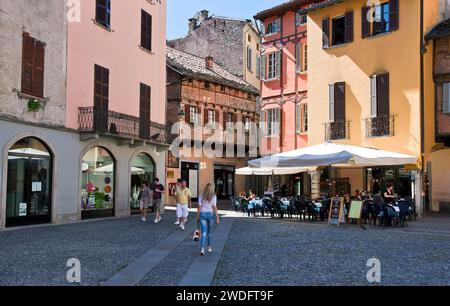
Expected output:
(278, 64)
(298, 57)
(263, 67)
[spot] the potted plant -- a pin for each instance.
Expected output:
(34, 105)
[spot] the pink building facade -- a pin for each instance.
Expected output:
(284, 66)
(116, 99)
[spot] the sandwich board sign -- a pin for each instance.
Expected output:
(336, 216)
(355, 210)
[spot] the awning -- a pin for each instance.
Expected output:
(330, 154)
(270, 171)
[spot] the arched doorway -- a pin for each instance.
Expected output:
(97, 184)
(29, 181)
(142, 169)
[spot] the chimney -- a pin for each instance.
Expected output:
(209, 62)
(193, 23)
(204, 15)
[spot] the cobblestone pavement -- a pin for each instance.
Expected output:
(268, 252)
(258, 252)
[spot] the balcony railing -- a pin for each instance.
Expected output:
(380, 126)
(120, 125)
(337, 130)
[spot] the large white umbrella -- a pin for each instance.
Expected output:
(333, 154)
(110, 168)
(270, 171)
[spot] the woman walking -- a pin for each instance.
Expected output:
(207, 208)
(144, 201)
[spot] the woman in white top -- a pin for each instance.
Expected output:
(207, 208)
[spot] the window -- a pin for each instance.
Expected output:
(301, 118)
(101, 98)
(273, 27)
(298, 58)
(211, 117)
(300, 19)
(338, 28)
(337, 102)
(207, 85)
(379, 19)
(446, 98)
(145, 111)
(274, 64)
(193, 115)
(341, 30)
(228, 118)
(258, 67)
(146, 30)
(33, 60)
(249, 38)
(222, 88)
(247, 124)
(273, 122)
(103, 12)
(305, 58)
(249, 58)
(379, 95)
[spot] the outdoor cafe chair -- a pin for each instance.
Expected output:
(268, 206)
(312, 211)
(405, 211)
(235, 203)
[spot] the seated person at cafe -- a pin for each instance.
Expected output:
(251, 195)
(389, 195)
(357, 195)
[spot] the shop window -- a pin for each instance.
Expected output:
(142, 170)
(28, 197)
(98, 177)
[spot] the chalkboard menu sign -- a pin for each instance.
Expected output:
(336, 211)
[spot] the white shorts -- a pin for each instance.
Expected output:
(182, 210)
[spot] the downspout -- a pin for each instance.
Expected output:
(281, 134)
(422, 100)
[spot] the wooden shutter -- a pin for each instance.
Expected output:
(326, 33)
(331, 102)
(217, 117)
(28, 44)
(205, 116)
(101, 98)
(383, 95)
(145, 111)
(339, 102)
(373, 97)
(225, 115)
(278, 121)
(298, 57)
(263, 67)
(297, 19)
(394, 21)
(446, 98)
(349, 31)
(187, 113)
(365, 21)
(278, 64)
(108, 13)
(38, 71)
(258, 66)
(146, 30)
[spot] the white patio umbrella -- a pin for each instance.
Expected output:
(270, 171)
(333, 154)
(109, 168)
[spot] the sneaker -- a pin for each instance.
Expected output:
(157, 220)
(209, 250)
(182, 228)
(143, 219)
(178, 222)
(202, 252)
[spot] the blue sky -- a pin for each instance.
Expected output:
(179, 11)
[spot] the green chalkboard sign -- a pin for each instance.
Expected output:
(355, 210)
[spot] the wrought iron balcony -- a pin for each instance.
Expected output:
(120, 125)
(380, 126)
(337, 130)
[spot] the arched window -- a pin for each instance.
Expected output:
(29, 183)
(97, 184)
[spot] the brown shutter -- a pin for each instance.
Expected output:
(225, 114)
(394, 15)
(349, 32)
(38, 72)
(339, 102)
(27, 64)
(365, 22)
(146, 30)
(101, 98)
(383, 95)
(145, 111)
(187, 113)
(326, 33)
(217, 119)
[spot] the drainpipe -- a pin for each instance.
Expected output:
(422, 108)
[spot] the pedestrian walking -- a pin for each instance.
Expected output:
(183, 198)
(158, 190)
(144, 199)
(177, 187)
(207, 209)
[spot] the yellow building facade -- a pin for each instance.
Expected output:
(366, 84)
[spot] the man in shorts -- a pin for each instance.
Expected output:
(177, 187)
(183, 197)
(158, 190)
